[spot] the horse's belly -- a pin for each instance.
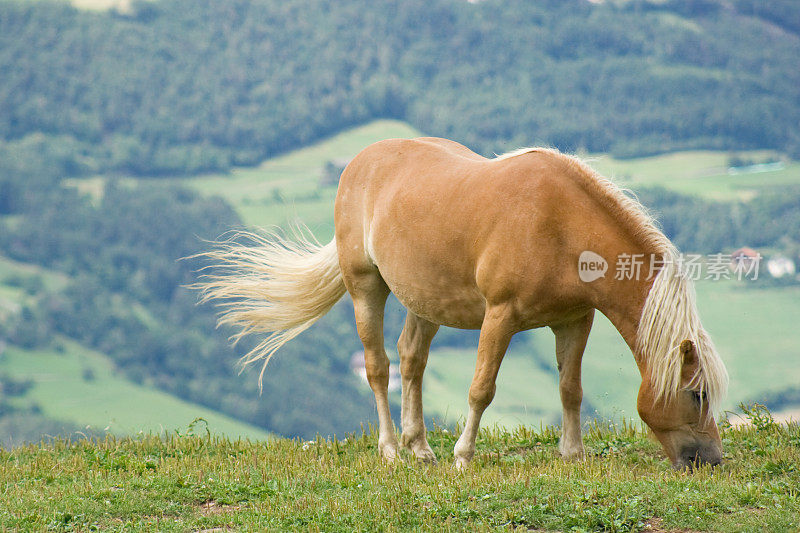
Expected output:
(464, 311)
(432, 279)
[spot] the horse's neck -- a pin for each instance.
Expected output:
(624, 310)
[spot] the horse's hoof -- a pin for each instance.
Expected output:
(425, 455)
(461, 464)
(389, 454)
(574, 454)
(573, 458)
(571, 449)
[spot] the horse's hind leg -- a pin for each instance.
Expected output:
(570, 343)
(369, 293)
(413, 346)
(496, 333)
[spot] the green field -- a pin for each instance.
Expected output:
(700, 173)
(517, 482)
(74, 384)
(526, 395)
(77, 385)
(753, 327)
(286, 189)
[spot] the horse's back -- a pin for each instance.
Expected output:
(448, 230)
(452, 147)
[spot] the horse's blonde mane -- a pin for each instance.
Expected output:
(519, 151)
(670, 314)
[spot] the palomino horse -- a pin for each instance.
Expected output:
(495, 245)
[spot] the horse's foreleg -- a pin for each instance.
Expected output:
(496, 333)
(570, 343)
(368, 306)
(413, 346)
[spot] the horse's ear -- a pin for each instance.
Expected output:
(687, 349)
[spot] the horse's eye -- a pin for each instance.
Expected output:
(699, 396)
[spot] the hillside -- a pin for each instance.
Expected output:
(80, 389)
(517, 482)
(129, 138)
(108, 275)
(289, 188)
(180, 86)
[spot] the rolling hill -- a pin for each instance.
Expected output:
(168, 113)
(77, 386)
(79, 389)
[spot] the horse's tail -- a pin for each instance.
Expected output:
(271, 285)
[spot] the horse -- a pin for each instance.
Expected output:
(496, 244)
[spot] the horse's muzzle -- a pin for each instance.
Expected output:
(695, 456)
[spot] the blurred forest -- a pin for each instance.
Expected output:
(180, 87)
(187, 86)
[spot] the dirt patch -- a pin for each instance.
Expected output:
(212, 508)
(655, 525)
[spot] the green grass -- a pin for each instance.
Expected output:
(753, 328)
(700, 173)
(80, 386)
(517, 482)
(526, 395)
(286, 188)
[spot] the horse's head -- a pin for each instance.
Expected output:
(682, 422)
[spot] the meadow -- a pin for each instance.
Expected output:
(73, 384)
(286, 189)
(752, 328)
(203, 482)
(707, 174)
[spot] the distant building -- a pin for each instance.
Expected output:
(358, 367)
(756, 168)
(744, 257)
(745, 263)
(780, 266)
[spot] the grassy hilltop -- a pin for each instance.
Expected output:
(199, 482)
